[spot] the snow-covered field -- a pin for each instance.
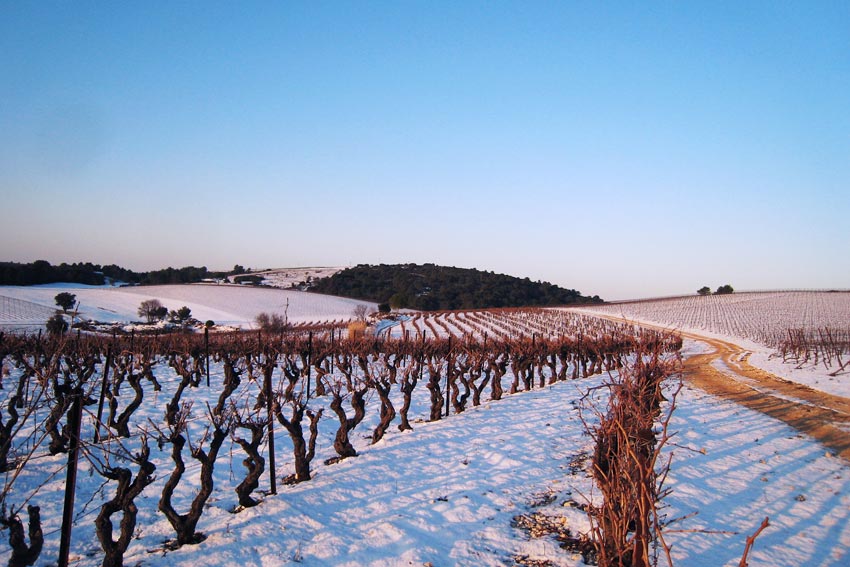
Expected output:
(235, 305)
(752, 321)
(447, 492)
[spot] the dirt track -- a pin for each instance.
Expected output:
(820, 415)
(727, 373)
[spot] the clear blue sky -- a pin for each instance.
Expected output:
(621, 149)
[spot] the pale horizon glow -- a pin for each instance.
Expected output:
(621, 150)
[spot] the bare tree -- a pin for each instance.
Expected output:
(360, 311)
(271, 322)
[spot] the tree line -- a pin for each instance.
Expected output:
(42, 272)
(429, 287)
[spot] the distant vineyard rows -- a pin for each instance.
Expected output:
(17, 310)
(804, 327)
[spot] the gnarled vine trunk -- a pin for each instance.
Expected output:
(185, 525)
(24, 555)
(124, 501)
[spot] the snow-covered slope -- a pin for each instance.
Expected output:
(224, 304)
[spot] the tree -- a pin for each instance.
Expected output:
(724, 290)
(57, 325)
(704, 290)
(384, 308)
(360, 311)
(152, 310)
(181, 315)
(66, 300)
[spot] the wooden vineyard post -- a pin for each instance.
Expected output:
(132, 348)
(75, 417)
(207, 352)
(102, 393)
(309, 361)
(449, 366)
(267, 387)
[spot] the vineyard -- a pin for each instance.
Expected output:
(171, 417)
(804, 328)
(14, 312)
(502, 324)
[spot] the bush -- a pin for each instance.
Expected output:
(356, 329)
(724, 290)
(248, 280)
(57, 325)
(384, 308)
(704, 290)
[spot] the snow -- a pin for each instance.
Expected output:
(751, 321)
(233, 305)
(752, 467)
(446, 493)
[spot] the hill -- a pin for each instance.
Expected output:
(429, 287)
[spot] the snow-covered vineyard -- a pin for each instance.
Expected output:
(761, 317)
(801, 336)
(142, 399)
(467, 426)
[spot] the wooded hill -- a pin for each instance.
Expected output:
(429, 287)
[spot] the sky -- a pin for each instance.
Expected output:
(621, 149)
